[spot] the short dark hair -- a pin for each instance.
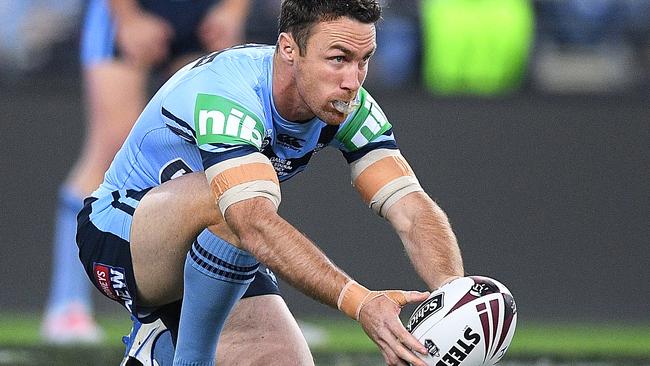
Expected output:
(298, 17)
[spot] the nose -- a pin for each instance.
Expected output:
(352, 78)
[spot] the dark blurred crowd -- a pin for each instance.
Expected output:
(592, 45)
(448, 47)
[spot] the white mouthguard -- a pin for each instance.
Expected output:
(346, 107)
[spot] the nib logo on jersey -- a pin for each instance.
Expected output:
(112, 282)
(223, 121)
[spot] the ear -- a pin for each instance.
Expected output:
(287, 47)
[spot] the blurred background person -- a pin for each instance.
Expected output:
(29, 28)
(123, 44)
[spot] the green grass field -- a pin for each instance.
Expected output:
(342, 342)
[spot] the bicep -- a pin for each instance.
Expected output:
(382, 177)
(242, 178)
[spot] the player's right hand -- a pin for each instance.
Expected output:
(144, 38)
(379, 318)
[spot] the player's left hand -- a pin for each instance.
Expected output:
(379, 318)
(224, 26)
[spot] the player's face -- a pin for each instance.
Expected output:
(334, 66)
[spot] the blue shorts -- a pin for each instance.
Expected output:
(185, 16)
(106, 255)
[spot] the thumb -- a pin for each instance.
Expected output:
(416, 296)
(401, 298)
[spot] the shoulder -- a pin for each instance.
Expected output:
(237, 69)
(247, 62)
(218, 95)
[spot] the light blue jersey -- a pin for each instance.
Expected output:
(221, 107)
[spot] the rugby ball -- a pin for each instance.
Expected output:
(469, 321)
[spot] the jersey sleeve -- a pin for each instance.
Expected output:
(221, 111)
(366, 130)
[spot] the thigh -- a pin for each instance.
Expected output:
(165, 223)
(262, 331)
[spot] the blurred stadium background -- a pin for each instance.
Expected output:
(527, 121)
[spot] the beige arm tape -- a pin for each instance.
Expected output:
(238, 179)
(382, 177)
(353, 297)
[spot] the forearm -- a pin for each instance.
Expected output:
(428, 238)
(292, 256)
(277, 244)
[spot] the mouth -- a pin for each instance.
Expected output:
(345, 107)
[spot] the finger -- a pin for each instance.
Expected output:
(410, 341)
(416, 296)
(389, 355)
(402, 298)
(407, 339)
(406, 354)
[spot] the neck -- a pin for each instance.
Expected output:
(286, 98)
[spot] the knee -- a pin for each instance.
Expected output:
(264, 350)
